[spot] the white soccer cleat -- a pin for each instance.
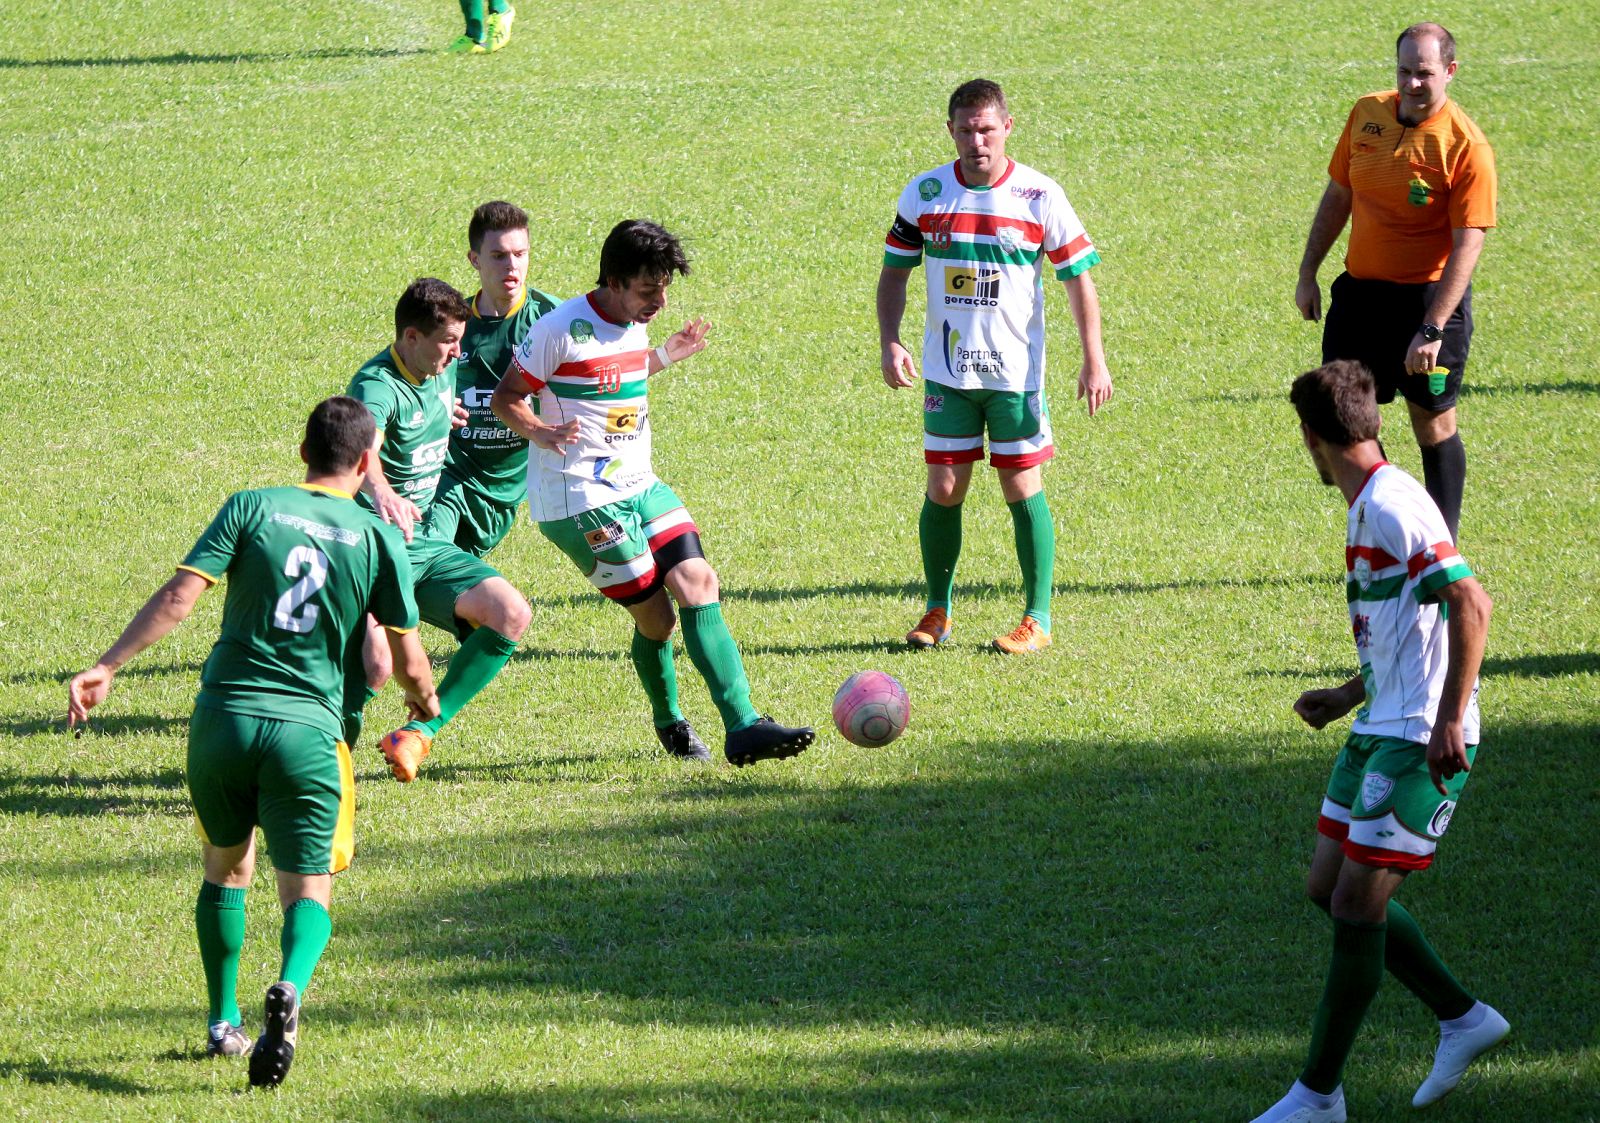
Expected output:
(1458, 1048)
(1302, 1105)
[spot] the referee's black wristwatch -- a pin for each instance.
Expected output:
(1430, 333)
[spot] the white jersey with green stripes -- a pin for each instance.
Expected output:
(583, 366)
(1398, 555)
(984, 248)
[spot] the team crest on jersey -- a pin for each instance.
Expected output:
(1010, 238)
(602, 538)
(1375, 789)
(1362, 572)
(1441, 818)
(1430, 555)
(933, 403)
(581, 331)
(930, 189)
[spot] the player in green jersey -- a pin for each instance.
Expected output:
(305, 566)
(409, 388)
(485, 475)
(483, 35)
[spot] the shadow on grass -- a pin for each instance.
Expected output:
(185, 58)
(1093, 903)
(43, 1072)
(135, 670)
(96, 726)
(1469, 389)
(160, 793)
(1552, 665)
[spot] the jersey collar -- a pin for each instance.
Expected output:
(1011, 166)
(325, 490)
(1366, 479)
(590, 297)
(516, 305)
(400, 366)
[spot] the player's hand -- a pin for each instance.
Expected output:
(898, 369)
(1447, 754)
(688, 340)
(423, 709)
(1308, 298)
(1094, 383)
(459, 415)
(1422, 356)
(396, 509)
(1318, 707)
(555, 438)
(86, 691)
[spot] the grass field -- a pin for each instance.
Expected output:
(1073, 889)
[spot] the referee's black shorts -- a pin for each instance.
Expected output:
(1373, 322)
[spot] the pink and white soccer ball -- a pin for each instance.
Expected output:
(871, 709)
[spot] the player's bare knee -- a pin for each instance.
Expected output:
(694, 582)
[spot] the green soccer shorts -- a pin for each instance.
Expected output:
(954, 422)
(465, 516)
(1382, 805)
(440, 572)
(294, 781)
(627, 548)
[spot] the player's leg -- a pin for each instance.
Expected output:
(1432, 404)
(653, 624)
(1020, 442)
(473, 41)
(307, 809)
(952, 441)
(220, 775)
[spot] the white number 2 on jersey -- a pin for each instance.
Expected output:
(292, 613)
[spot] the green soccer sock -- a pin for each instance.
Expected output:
(499, 6)
(306, 928)
(472, 667)
(716, 657)
(1354, 973)
(1036, 553)
(939, 532)
(1411, 959)
(653, 660)
(473, 11)
(219, 922)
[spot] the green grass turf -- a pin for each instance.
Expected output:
(1072, 890)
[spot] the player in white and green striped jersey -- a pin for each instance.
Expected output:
(1419, 619)
(986, 224)
(589, 360)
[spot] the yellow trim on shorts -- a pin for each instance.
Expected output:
(399, 631)
(199, 573)
(344, 831)
(200, 830)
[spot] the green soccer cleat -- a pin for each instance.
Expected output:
(500, 27)
(466, 45)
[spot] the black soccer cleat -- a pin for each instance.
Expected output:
(223, 1039)
(274, 1050)
(681, 740)
(767, 740)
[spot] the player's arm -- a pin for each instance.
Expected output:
(1469, 609)
(1465, 248)
(1326, 225)
(414, 672)
(164, 611)
(1319, 707)
(1094, 378)
(391, 505)
(898, 369)
(688, 340)
(510, 404)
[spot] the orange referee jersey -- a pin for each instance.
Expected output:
(1410, 186)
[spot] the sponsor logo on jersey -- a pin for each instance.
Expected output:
(423, 486)
(969, 360)
(581, 331)
(971, 286)
(1028, 192)
(432, 454)
(1361, 514)
(1362, 627)
(930, 189)
(1372, 127)
(416, 419)
(933, 403)
(1375, 788)
(476, 398)
(608, 470)
(1441, 818)
(602, 538)
(317, 530)
(622, 419)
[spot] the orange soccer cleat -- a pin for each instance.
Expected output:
(405, 750)
(1025, 637)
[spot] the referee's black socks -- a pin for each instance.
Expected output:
(1444, 473)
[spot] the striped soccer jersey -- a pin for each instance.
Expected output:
(985, 321)
(583, 366)
(1398, 554)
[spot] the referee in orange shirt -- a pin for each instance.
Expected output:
(1415, 178)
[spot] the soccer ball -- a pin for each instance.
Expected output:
(871, 709)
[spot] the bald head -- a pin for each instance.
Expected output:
(1424, 33)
